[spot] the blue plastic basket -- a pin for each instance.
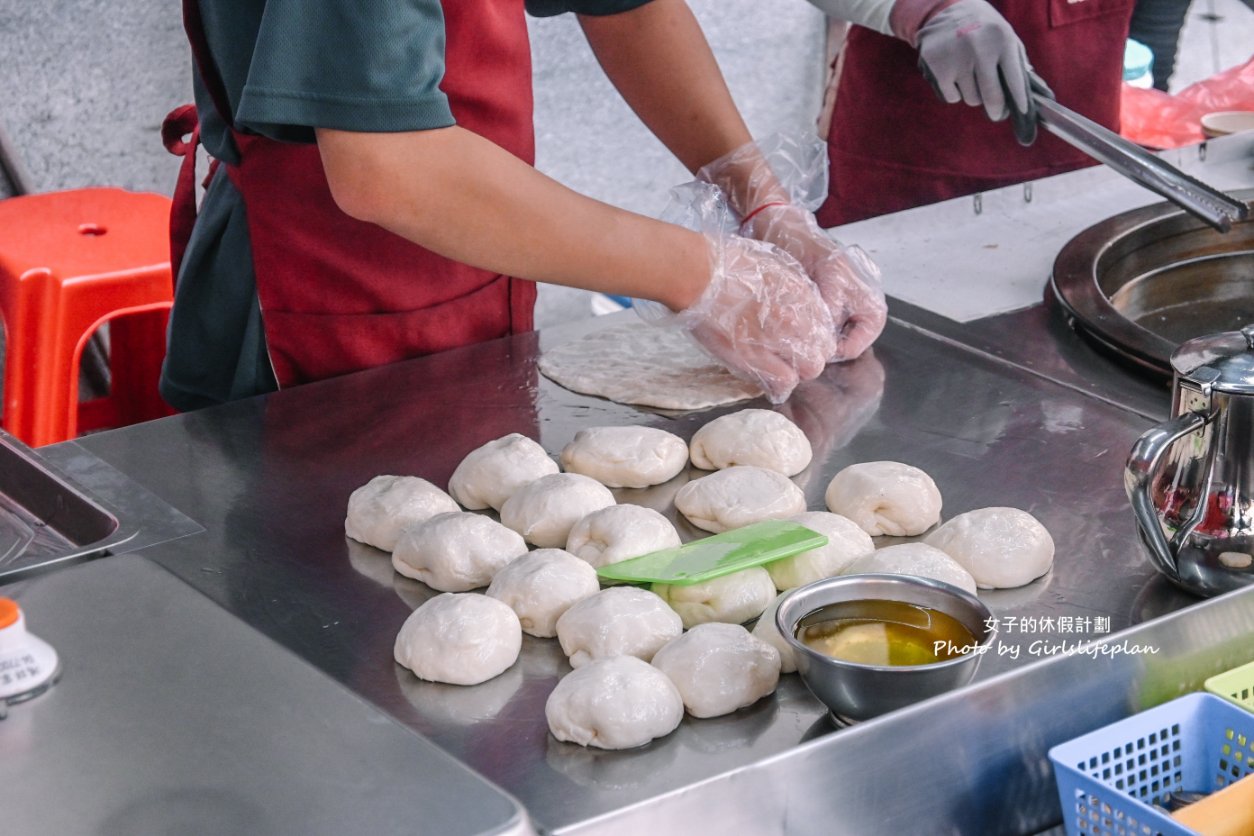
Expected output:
(1109, 780)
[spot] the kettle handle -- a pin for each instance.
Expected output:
(1139, 474)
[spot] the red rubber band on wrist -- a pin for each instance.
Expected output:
(751, 215)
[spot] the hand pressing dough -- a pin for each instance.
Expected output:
(719, 668)
(461, 639)
(1000, 547)
(619, 621)
(379, 509)
(846, 542)
(885, 498)
(620, 532)
(918, 559)
(757, 437)
(739, 496)
(490, 474)
(766, 631)
(541, 586)
(733, 598)
(617, 703)
(544, 511)
(456, 552)
(626, 457)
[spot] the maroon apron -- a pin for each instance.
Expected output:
(893, 144)
(337, 294)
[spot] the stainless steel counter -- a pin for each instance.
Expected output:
(269, 479)
(173, 717)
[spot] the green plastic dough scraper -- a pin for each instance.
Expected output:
(713, 557)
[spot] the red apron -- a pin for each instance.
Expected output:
(893, 144)
(339, 295)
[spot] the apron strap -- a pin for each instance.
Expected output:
(209, 74)
(182, 122)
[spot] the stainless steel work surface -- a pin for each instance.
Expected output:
(270, 478)
(171, 716)
(52, 513)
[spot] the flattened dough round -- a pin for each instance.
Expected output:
(619, 621)
(620, 532)
(885, 498)
(719, 668)
(733, 598)
(636, 363)
(918, 559)
(757, 437)
(461, 639)
(739, 496)
(616, 703)
(846, 542)
(490, 474)
(544, 511)
(626, 457)
(1000, 547)
(456, 552)
(379, 509)
(766, 631)
(542, 585)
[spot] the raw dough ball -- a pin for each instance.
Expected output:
(739, 496)
(379, 509)
(541, 586)
(845, 544)
(620, 532)
(733, 598)
(885, 498)
(918, 559)
(765, 630)
(719, 668)
(490, 474)
(456, 552)
(1000, 547)
(545, 510)
(755, 437)
(626, 457)
(461, 639)
(617, 703)
(619, 621)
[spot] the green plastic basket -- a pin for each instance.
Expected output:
(1236, 685)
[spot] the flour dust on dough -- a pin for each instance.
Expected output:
(640, 364)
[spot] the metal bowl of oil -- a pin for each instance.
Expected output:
(870, 644)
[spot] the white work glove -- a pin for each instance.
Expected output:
(970, 53)
(779, 181)
(760, 315)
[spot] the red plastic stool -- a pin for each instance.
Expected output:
(70, 261)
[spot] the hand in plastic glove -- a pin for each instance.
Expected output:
(760, 315)
(970, 53)
(846, 277)
(775, 183)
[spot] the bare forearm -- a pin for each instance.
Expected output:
(660, 62)
(465, 198)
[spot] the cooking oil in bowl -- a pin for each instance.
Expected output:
(891, 633)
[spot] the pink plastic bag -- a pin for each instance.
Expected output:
(1158, 120)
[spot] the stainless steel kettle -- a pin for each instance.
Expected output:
(1191, 479)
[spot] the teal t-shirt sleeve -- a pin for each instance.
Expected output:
(548, 8)
(360, 65)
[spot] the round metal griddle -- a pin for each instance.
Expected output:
(1142, 282)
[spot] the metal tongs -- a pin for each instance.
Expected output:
(1134, 162)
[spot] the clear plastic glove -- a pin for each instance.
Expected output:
(970, 53)
(779, 181)
(846, 277)
(760, 315)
